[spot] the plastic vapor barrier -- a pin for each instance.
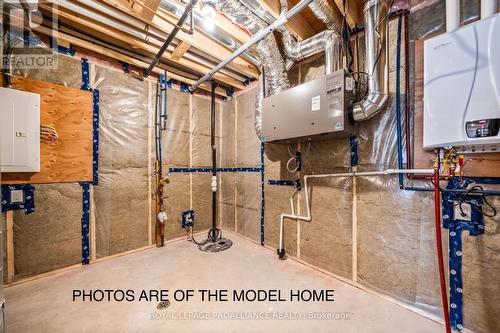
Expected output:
(121, 198)
(226, 158)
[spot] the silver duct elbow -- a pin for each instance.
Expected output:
(376, 60)
(326, 41)
(29, 6)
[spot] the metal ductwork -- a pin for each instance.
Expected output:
(326, 41)
(328, 14)
(272, 63)
(29, 6)
(376, 60)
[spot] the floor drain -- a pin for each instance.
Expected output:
(221, 245)
(163, 305)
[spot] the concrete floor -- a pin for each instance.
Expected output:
(46, 305)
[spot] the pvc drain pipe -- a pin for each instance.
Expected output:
(308, 217)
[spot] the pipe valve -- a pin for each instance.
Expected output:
(162, 217)
(214, 184)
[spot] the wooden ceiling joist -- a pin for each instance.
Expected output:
(180, 50)
(137, 44)
(117, 56)
(297, 25)
(149, 9)
(353, 10)
(198, 40)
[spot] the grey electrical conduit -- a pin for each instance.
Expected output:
(308, 216)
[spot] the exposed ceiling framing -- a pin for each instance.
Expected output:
(191, 56)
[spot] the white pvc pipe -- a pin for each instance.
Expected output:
(308, 217)
(452, 14)
(488, 8)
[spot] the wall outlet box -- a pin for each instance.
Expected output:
(466, 209)
(187, 219)
(16, 196)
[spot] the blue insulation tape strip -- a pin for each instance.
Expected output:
(354, 150)
(125, 67)
(263, 204)
(85, 223)
(238, 169)
(95, 119)
(95, 137)
(484, 180)
(455, 227)
(185, 88)
(85, 75)
(281, 182)
(28, 202)
(196, 170)
(69, 51)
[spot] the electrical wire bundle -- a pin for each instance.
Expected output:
(48, 134)
(483, 196)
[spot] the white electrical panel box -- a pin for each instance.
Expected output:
(19, 131)
(462, 88)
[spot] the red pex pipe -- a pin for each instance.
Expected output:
(439, 247)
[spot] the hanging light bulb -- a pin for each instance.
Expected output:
(208, 12)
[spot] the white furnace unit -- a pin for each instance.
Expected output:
(462, 88)
(19, 131)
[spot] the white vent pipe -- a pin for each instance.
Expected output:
(488, 8)
(453, 14)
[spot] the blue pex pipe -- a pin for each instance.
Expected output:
(263, 195)
(398, 102)
(281, 182)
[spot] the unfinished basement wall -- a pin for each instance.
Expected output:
(240, 197)
(367, 230)
(121, 199)
(51, 237)
(186, 144)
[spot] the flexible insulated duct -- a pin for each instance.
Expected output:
(272, 63)
(328, 14)
(376, 60)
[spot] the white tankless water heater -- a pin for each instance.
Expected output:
(462, 88)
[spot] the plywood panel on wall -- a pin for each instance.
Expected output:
(69, 111)
(478, 164)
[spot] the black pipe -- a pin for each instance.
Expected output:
(170, 37)
(214, 162)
